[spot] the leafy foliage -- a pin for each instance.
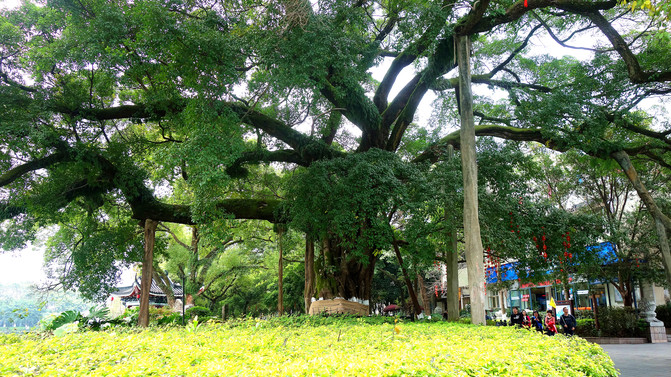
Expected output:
(115, 112)
(308, 346)
(94, 319)
(664, 314)
(198, 311)
(350, 198)
(620, 322)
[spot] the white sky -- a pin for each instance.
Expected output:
(22, 266)
(8, 4)
(26, 265)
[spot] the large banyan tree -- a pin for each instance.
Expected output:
(148, 110)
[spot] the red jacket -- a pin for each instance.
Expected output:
(550, 323)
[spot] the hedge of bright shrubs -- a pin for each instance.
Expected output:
(303, 347)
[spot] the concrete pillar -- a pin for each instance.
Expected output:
(647, 306)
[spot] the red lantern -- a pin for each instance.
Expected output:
(112, 298)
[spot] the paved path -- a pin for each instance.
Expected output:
(641, 360)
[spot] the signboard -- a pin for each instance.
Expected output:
(560, 307)
(525, 298)
(583, 292)
(543, 284)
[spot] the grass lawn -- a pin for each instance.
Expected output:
(304, 347)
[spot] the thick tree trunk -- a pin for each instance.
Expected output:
(474, 251)
(425, 296)
(280, 272)
(341, 274)
(662, 222)
(452, 274)
(408, 282)
(309, 291)
(627, 299)
(147, 266)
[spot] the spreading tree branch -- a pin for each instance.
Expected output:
(636, 73)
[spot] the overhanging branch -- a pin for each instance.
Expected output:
(636, 73)
(16, 172)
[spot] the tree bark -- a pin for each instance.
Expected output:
(408, 282)
(147, 266)
(340, 274)
(661, 229)
(280, 273)
(474, 251)
(309, 291)
(452, 274)
(662, 222)
(425, 296)
(452, 261)
(623, 286)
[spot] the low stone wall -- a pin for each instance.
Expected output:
(617, 340)
(338, 306)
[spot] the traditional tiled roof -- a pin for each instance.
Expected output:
(154, 290)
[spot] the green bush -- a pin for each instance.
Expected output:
(664, 314)
(297, 347)
(618, 322)
(584, 314)
(199, 311)
(585, 327)
(170, 319)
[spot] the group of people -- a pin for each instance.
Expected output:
(548, 323)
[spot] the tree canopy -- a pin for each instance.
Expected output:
(114, 112)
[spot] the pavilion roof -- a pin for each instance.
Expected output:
(154, 290)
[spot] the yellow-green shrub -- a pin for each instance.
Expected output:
(340, 347)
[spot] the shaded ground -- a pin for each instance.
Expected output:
(641, 360)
